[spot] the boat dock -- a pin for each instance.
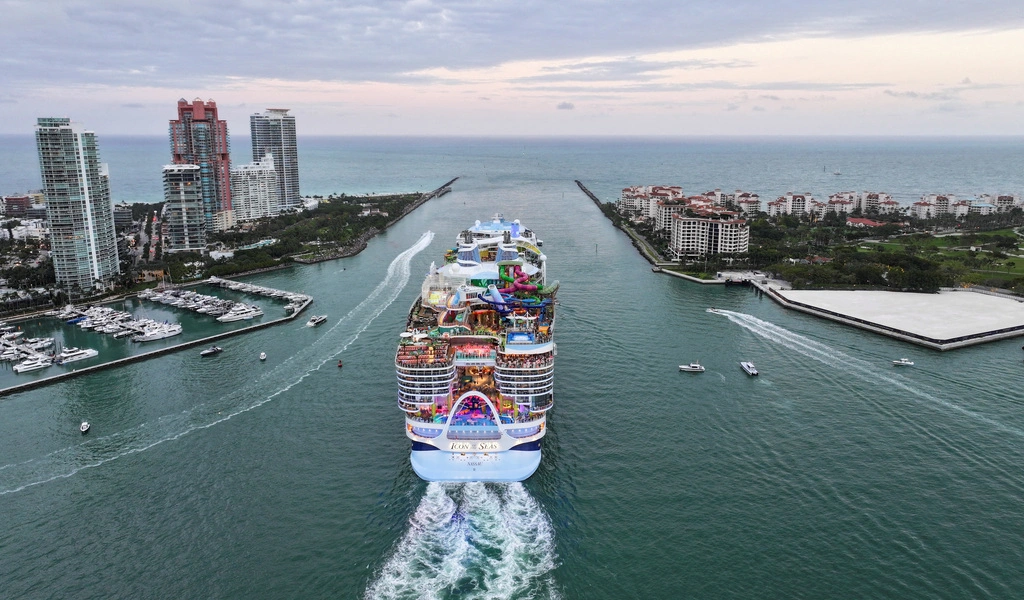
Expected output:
(205, 341)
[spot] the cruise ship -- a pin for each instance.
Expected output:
(475, 363)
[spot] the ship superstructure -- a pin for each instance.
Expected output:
(475, 363)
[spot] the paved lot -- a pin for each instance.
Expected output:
(943, 316)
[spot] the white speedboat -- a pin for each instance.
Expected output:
(263, 356)
(694, 367)
(211, 351)
(84, 427)
(316, 320)
(32, 365)
(903, 362)
(749, 368)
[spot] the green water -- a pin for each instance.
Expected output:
(829, 475)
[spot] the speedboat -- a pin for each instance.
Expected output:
(211, 351)
(316, 320)
(749, 368)
(903, 362)
(263, 356)
(694, 367)
(84, 427)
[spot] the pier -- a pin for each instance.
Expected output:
(208, 340)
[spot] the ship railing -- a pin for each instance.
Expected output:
(523, 432)
(427, 432)
(522, 377)
(523, 362)
(473, 432)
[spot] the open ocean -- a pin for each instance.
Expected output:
(831, 475)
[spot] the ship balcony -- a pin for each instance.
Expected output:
(474, 432)
(423, 390)
(526, 377)
(533, 403)
(426, 380)
(421, 365)
(521, 388)
(525, 362)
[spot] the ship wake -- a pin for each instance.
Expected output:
(863, 370)
(292, 371)
(472, 540)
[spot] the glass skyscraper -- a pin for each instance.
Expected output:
(273, 132)
(76, 186)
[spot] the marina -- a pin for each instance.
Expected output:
(134, 334)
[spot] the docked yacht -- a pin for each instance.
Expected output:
(32, 365)
(694, 367)
(158, 332)
(72, 354)
(749, 368)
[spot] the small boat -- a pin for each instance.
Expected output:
(316, 320)
(713, 310)
(903, 362)
(749, 368)
(694, 367)
(263, 356)
(84, 427)
(339, 364)
(211, 351)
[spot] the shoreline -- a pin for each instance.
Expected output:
(347, 252)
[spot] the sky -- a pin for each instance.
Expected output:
(523, 67)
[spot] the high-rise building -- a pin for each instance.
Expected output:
(254, 190)
(184, 219)
(199, 137)
(81, 217)
(274, 132)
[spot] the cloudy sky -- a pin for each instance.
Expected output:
(522, 67)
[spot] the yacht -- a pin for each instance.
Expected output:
(211, 351)
(72, 354)
(316, 320)
(263, 356)
(32, 365)
(902, 362)
(694, 367)
(749, 368)
(84, 427)
(158, 332)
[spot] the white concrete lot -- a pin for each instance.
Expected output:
(942, 316)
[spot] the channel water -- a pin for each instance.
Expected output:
(831, 474)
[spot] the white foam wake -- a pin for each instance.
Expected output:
(283, 377)
(472, 540)
(858, 368)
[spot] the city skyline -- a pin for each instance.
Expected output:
(459, 68)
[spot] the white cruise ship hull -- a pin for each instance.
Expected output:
(510, 465)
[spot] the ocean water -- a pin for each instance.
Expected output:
(829, 475)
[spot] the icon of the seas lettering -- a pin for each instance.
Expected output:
(476, 361)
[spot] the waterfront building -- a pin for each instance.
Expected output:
(254, 190)
(875, 202)
(713, 232)
(273, 132)
(748, 203)
(78, 209)
(122, 216)
(199, 137)
(978, 207)
(922, 210)
(791, 204)
(184, 224)
(16, 206)
(664, 209)
(1002, 202)
(941, 203)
